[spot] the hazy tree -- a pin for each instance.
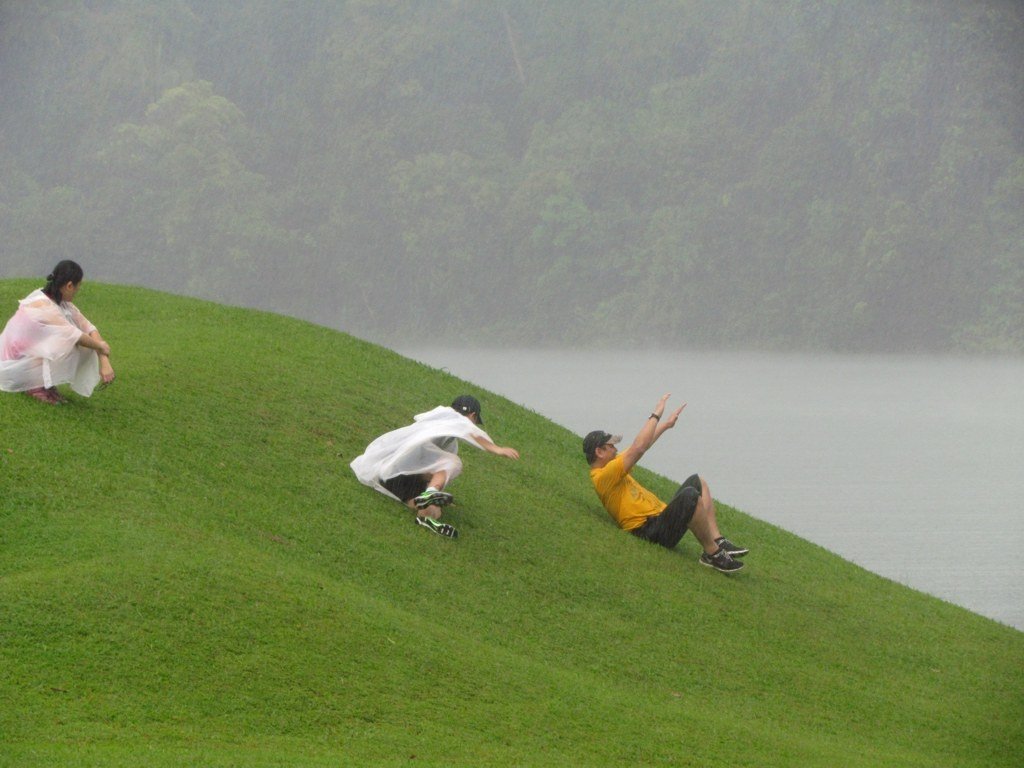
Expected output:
(183, 208)
(752, 172)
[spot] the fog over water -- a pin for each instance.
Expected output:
(906, 465)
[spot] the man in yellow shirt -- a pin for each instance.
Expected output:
(637, 510)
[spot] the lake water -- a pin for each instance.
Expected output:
(912, 467)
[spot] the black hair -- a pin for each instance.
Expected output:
(65, 272)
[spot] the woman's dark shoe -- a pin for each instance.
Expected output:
(44, 395)
(57, 397)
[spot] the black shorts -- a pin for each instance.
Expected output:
(407, 487)
(668, 527)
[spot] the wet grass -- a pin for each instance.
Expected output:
(190, 575)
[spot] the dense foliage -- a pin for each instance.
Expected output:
(810, 173)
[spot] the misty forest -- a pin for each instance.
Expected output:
(760, 174)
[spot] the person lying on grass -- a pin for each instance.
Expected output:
(49, 342)
(416, 463)
(637, 510)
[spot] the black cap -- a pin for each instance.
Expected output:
(467, 404)
(595, 440)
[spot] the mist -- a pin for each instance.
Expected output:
(692, 174)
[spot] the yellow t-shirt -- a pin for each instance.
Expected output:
(628, 502)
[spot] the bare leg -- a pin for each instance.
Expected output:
(437, 481)
(704, 524)
(433, 511)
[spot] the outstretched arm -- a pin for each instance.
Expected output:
(487, 445)
(652, 429)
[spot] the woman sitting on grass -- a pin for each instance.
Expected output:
(49, 342)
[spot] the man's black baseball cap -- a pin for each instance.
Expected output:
(595, 440)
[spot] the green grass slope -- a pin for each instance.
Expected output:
(191, 575)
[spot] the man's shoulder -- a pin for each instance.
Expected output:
(609, 473)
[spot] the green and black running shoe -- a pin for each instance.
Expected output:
(432, 498)
(441, 529)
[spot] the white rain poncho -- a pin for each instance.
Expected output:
(39, 347)
(429, 445)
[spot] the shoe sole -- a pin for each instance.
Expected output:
(437, 500)
(738, 552)
(720, 570)
(441, 529)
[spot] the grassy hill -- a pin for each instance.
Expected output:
(191, 575)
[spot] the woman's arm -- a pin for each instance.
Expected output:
(93, 340)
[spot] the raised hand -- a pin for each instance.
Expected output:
(671, 420)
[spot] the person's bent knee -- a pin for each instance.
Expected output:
(693, 482)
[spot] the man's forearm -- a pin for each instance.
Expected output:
(648, 434)
(661, 429)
